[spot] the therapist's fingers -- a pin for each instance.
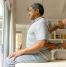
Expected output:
(49, 49)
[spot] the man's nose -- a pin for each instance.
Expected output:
(28, 14)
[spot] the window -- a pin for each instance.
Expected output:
(0, 25)
(0, 31)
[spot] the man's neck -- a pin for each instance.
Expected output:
(37, 17)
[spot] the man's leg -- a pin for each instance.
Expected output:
(24, 59)
(27, 58)
(10, 62)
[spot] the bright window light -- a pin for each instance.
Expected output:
(0, 10)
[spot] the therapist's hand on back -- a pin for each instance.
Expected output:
(51, 46)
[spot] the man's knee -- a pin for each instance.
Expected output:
(9, 61)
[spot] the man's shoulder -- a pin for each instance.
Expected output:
(41, 21)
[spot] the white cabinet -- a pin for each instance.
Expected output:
(58, 36)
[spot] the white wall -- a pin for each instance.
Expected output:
(24, 34)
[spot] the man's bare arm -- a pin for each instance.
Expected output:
(36, 47)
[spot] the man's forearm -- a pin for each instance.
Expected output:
(36, 47)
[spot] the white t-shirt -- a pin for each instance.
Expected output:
(39, 30)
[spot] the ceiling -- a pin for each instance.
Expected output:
(54, 9)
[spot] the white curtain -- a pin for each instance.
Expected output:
(9, 33)
(6, 45)
(12, 32)
(8, 4)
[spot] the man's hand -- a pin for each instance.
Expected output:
(51, 46)
(16, 54)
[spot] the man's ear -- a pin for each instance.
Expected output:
(37, 10)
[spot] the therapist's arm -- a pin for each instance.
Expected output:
(54, 46)
(59, 25)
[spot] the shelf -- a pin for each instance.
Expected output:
(0, 29)
(58, 36)
(61, 29)
(57, 39)
(59, 50)
(53, 22)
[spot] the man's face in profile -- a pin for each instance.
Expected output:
(32, 13)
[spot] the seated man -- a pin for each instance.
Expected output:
(37, 38)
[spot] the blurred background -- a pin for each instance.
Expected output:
(15, 23)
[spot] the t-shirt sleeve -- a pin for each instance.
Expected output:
(41, 31)
(64, 21)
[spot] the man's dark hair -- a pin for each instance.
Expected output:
(39, 6)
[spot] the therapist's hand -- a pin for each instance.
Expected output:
(16, 54)
(51, 46)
